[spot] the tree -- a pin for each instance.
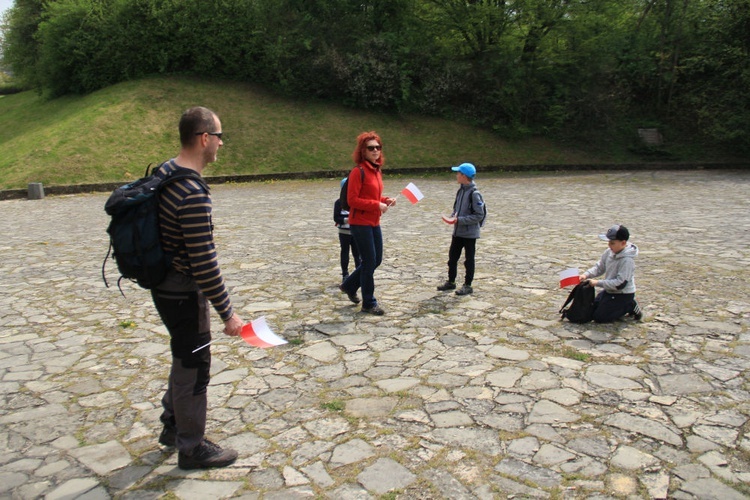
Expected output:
(20, 50)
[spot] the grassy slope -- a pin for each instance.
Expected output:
(111, 135)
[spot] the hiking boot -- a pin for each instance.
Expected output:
(376, 310)
(465, 290)
(168, 435)
(448, 285)
(637, 314)
(205, 455)
(352, 296)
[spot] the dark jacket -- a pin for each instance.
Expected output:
(469, 211)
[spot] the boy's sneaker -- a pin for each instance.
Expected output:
(637, 313)
(352, 296)
(447, 286)
(205, 455)
(465, 290)
(168, 435)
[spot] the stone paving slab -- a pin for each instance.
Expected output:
(478, 397)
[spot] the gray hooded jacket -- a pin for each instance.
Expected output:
(469, 211)
(618, 270)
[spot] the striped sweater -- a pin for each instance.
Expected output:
(187, 233)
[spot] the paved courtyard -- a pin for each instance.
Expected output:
(444, 397)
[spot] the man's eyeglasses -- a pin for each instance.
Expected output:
(217, 134)
(374, 148)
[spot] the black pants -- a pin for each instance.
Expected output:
(186, 315)
(609, 307)
(347, 242)
(369, 240)
(457, 245)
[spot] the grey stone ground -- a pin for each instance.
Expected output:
(486, 396)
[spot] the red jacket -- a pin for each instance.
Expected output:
(365, 197)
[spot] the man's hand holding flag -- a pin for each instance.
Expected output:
(256, 333)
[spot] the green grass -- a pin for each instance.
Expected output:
(335, 405)
(111, 135)
(570, 353)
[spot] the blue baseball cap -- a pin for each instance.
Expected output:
(467, 169)
(343, 181)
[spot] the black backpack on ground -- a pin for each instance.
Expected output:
(343, 194)
(581, 300)
(134, 231)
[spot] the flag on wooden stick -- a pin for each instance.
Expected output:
(412, 193)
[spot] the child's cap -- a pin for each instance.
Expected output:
(343, 181)
(467, 169)
(616, 232)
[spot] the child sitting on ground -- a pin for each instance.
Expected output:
(617, 263)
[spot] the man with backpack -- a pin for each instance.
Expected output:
(468, 216)
(193, 281)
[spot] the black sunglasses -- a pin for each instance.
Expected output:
(217, 134)
(374, 148)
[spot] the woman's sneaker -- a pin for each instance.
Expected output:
(465, 290)
(376, 310)
(205, 455)
(352, 296)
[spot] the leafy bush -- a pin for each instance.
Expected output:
(519, 68)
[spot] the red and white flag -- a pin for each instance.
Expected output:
(258, 334)
(412, 193)
(569, 277)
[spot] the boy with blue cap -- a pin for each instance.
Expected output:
(467, 218)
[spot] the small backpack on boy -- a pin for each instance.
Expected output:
(581, 300)
(343, 194)
(134, 231)
(484, 206)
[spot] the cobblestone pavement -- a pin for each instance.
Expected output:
(485, 396)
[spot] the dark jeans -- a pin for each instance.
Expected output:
(457, 245)
(369, 241)
(346, 241)
(187, 318)
(609, 307)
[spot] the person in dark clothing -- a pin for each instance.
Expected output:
(346, 242)
(467, 217)
(182, 300)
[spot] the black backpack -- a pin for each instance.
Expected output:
(581, 310)
(345, 186)
(134, 231)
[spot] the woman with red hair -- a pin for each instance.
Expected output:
(366, 205)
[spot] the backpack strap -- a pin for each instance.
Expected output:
(183, 174)
(570, 298)
(361, 180)
(104, 264)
